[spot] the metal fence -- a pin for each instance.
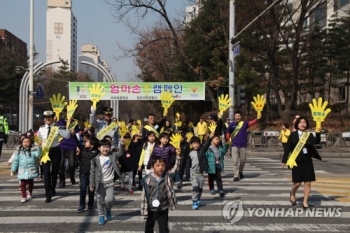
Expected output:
(269, 139)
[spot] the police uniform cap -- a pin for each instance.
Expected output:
(48, 113)
(108, 111)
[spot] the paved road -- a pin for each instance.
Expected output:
(265, 186)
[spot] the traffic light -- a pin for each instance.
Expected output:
(240, 95)
(222, 91)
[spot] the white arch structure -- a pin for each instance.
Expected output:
(110, 78)
(26, 121)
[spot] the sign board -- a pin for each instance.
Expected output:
(271, 133)
(39, 92)
(236, 50)
(139, 90)
(345, 135)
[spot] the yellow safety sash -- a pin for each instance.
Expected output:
(302, 141)
(46, 148)
(73, 125)
(238, 127)
(105, 130)
(150, 128)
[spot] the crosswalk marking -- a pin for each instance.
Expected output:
(266, 185)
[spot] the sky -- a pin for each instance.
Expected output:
(96, 25)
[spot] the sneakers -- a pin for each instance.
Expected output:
(212, 191)
(222, 193)
(101, 219)
(195, 205)
(90, 208)
(200, 203)
(23, 200)
(108, 215)
(29, 196)
(131, 192)
(81, 209)
(236, 179)
(241, 176)
(179, 185)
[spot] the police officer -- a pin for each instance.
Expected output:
(101, 124)
(50, 175)
(4, 129)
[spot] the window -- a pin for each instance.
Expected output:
(341, 95)
(320, 15)
(343, 3)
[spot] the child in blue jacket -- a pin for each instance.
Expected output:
(215, 157)
(25, 164)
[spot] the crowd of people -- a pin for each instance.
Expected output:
(103, 156)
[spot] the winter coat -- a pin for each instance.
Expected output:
(85, 160)
(210, 156)
(203, 163)
(25, 163)
(167, 197)
(167, 152)
(135, 149)
(96, 167)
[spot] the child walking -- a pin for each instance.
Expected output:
(89, 152)
(127, 164)
(156, 207)
(197, 164)
(102, 172)
(215, 157)
(25, 163)
(170, 155)
(147, 151)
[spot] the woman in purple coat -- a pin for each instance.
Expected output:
(68, 150)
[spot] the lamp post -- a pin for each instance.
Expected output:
(31, 66)
(110, 78)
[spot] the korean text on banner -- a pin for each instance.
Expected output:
(139, 90)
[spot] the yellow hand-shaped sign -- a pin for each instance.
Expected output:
(122, 128)
(319, 111)
(167, 100)
(58, 104)
(258, 104)
(71, 108)
(177, 116)
(175, 140)
(189, 135)
(224, 103)
(212, 127)
(134, 130)
(96, 93)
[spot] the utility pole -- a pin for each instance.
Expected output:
(232, 38)
(231, 58)
(31, 67)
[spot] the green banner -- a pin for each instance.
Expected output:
(139, 90)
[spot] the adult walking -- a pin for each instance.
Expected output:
(301, 147)
(103, 124)
(153, 126)
(46, 134)
(4, 129)
(237, 131)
